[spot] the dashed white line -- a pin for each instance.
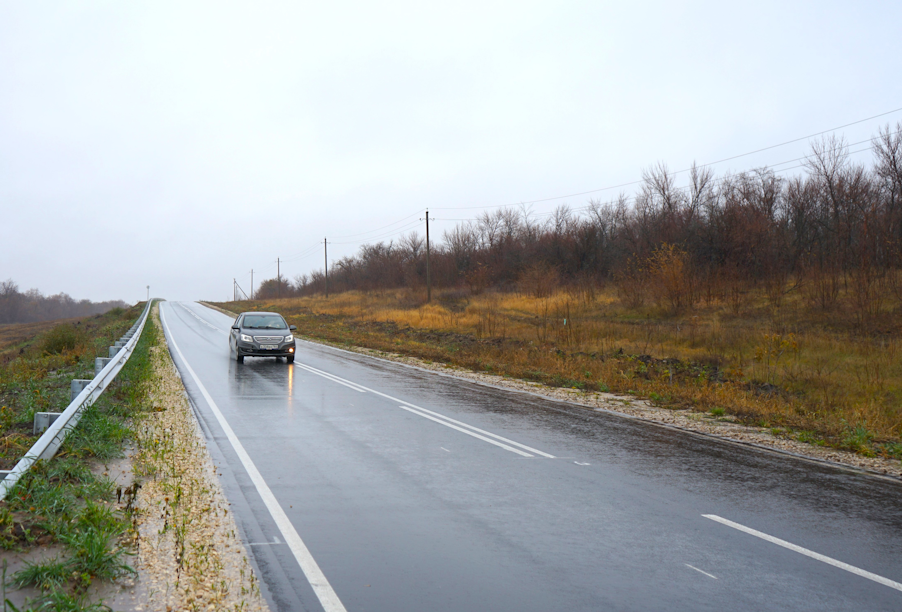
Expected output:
(469, 433)
(808, 553)
(198, 317)
(482, 431)
(324, 592)
(435, 416)
(334, 379)
(701, 571)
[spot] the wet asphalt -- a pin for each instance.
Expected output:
(401, 511)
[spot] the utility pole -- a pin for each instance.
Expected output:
(326, 257)
(148, 293)
(252, 283)
(278, 279)
(428, 270)
(234, 294)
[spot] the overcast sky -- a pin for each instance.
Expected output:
(182, 144)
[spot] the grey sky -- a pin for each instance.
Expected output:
(182, 144)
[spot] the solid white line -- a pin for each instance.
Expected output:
(701, 571)
(334, 379)
(808, 553)
(324, 592)
(436, 414)
(469, 433)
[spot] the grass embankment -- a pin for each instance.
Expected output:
(805, 375)
(65, 503)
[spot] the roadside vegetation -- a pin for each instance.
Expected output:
(68, 503)
(775, 299)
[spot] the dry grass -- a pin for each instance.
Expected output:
(14, 334)
(814, 373)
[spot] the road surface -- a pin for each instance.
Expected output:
(365, 485)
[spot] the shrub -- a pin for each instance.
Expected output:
(62, 338)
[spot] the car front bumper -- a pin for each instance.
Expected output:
(253, 349)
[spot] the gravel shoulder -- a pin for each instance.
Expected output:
(189, 552)
(724, 427)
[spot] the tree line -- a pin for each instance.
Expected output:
(32, 306)
(835, 229)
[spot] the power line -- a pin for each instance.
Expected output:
(379, 228)
(572, 195)
(394, 232)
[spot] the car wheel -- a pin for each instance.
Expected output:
(289, 359)
(239, 357)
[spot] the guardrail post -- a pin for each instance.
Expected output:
(114, 350)
(99, 364)
(78, 385)
(43, 420)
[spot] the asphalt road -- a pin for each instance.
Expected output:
(361, 484)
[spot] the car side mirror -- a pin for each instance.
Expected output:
(235, 327)
(292, 327)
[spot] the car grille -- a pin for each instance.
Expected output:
(268, 338)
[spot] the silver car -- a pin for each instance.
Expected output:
(261, 334)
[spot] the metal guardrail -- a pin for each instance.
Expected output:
(53, 438)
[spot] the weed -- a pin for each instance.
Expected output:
(60, 601)
(858, 439)
(46, 575)
(717, 411)
(97, 435)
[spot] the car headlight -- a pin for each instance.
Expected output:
(246, 338)
(289, 338)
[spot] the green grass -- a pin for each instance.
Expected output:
(47, 575)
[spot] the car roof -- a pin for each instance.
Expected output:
(260, 313)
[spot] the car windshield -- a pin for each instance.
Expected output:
(264, 322)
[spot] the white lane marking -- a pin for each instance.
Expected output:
(275, 541)
(469, 433)
(444, 449)
(435, 414)
(482, 431)
(808, 553)
(334, 379)
(580, 463)
(324, 592)
(198, 317)
(701, 571)
(337, 378)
